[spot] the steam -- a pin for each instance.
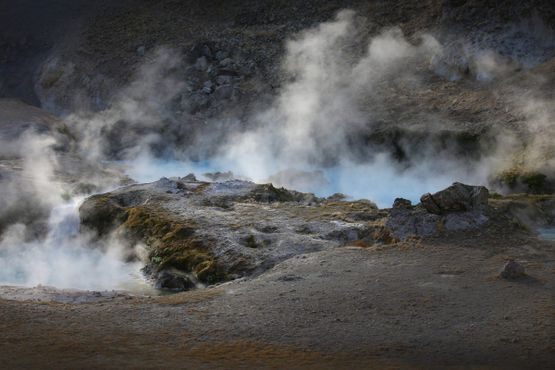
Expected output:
(315, 116)
(37, 168)
(64, 258)
(41, 242)
(310, 138)
(131, 125)
(335, 79)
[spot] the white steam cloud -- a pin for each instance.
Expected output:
(65, 258)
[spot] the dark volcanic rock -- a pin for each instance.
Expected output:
(173, 280)
(210, 232)
(405, 220)
(512, 270)
(458, 207)
(401, 203)
(456, 198)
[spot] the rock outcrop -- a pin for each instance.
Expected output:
(406, 220)
(456, 198)
(458, 207)
(202, 232)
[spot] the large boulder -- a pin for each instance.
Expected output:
(406, 220)
(456, 208)
(456, 198)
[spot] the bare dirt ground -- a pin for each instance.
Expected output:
(427, 304)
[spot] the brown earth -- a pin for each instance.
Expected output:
(421, 304)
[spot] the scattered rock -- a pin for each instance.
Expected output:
(206, 51)
(512, 270)
(201, 49)
(208, 87)
(458, 207)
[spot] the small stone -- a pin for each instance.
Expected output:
(513, 270)
(224, 80)
(224, 92)
(221, 55)
(227, 62)
(141, 50)
(208, 87)
(201, 64)
(206, 51)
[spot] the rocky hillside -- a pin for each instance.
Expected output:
(222, 63)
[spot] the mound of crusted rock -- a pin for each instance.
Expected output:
(458, 207)
(456, 198)
(200, 233)
(207, 232)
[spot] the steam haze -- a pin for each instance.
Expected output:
(311, 137)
